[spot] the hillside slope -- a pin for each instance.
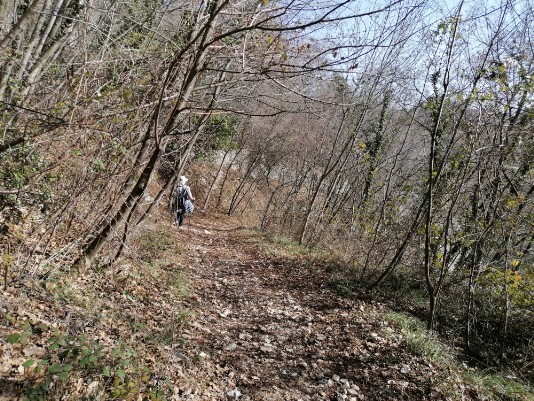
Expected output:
(210, 312)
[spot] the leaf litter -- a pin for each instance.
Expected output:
(252, 325)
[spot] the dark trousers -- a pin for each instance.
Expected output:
(180, 216)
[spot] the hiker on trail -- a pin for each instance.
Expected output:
(182, 198)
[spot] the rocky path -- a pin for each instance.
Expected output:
(271, 329)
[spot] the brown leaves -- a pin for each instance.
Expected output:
(257, 323)
(274, 326)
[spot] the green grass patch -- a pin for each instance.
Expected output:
(154, 244)
(493, 386)
(344, 287)
(499, 386)
(420, 341)
(284, 247)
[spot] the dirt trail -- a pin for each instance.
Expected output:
(271, 329)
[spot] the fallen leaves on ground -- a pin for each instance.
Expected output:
(250, 326)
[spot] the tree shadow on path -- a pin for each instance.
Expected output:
(283, 334)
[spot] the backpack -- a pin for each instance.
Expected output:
(181, 197)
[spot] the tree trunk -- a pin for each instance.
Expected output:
(212, 185)
(95, 245)
(21, 22)
(91, 249)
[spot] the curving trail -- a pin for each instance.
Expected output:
(266, 328)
